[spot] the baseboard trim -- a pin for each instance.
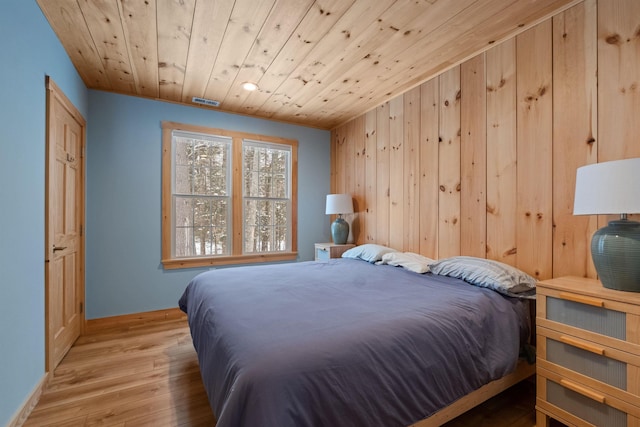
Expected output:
(23, 412)
(128, 321)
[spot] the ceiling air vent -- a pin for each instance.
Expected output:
(205, 101)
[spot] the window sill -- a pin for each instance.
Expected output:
(172, 264)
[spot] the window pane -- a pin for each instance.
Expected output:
(266, 226)
(266, 192)
(280, 238)
(281, 213)
(184, 212)
(182, 148)
(251, 184)
(280, 162)
(266, 171)
(279, 186)
(201, 169)
(183, 179)
(201, 226)
(201, 164)
(199, 241)
(264, 185)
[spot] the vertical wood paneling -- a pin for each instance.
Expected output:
(349, 157)
(618, 82)
(396, 173)
(338, 161)
(538, 121)
(357, 137)
(501, 152)
(339, 142)
(473, 158)
(574, 131)
(348, 170)
(334, 175)
(383, 159)
(449, 164)
(429, 185)
(534, 92)
(412, 170)
(619, 79)
(369, 209)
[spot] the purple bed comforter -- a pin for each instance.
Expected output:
(345, 343)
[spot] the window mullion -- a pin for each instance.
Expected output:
(192, 186)
(236, 197)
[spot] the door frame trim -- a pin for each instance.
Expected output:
(54, 93)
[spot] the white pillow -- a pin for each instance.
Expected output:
(368, 252)
(409, 260)
(486, 273)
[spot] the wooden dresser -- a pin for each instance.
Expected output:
(588, 354)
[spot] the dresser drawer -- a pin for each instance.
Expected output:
(609, 370)
(580, 405)
(322, 254)
(588, 354)
(594, 318)
(611, 323)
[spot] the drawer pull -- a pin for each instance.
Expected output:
(583, 345)
(583, 391)
(582, 299)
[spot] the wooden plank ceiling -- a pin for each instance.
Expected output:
(317, 63)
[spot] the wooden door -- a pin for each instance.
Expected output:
(64, 256)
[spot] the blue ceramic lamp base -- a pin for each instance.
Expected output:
(616, 254)
(339, 231)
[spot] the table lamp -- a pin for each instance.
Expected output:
(613, 188)
(339, 204)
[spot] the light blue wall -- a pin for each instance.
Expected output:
(124, 150)
(30, 50)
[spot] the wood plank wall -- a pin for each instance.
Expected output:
(481, 160)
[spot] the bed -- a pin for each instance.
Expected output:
(350, 343)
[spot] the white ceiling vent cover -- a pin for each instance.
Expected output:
(205, 101)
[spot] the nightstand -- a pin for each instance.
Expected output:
(326, 251)
(588, 354)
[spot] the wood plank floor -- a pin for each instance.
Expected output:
(148, 375)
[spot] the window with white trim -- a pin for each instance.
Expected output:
(228, 197)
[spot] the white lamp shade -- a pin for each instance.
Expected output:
(339, 204)
(608, 188)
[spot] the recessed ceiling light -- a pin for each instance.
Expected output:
(249, 86)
